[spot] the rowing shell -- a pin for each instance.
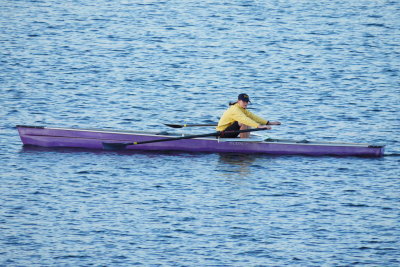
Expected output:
(96, 138)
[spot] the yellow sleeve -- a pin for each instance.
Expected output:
(255, 118)
(246, 117)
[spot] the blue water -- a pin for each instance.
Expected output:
(328, 70)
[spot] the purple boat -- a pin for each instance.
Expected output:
(131, 140)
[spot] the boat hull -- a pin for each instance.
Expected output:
(95, 138)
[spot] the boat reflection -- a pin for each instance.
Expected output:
(33, 149)
(234, 164)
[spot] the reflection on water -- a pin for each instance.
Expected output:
(30, 148)
(233, 164)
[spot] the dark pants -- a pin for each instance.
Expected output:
(234, 127)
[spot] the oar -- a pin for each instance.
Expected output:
(187, 125)
(119, 146)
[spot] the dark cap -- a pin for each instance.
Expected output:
(244, 97)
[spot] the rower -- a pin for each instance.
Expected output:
(237, 117)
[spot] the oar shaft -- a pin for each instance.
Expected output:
(188, 125)
(119, 146)
(219, 133)
(174, 138)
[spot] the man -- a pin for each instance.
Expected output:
(237, 117)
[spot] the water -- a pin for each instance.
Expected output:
(327, 71)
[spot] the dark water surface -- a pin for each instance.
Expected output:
(328, 70)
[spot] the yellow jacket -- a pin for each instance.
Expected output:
(241, 115)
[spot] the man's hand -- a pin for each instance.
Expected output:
(264, 127)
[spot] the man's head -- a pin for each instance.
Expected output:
(243, 100)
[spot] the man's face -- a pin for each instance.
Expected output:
(243, 104)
